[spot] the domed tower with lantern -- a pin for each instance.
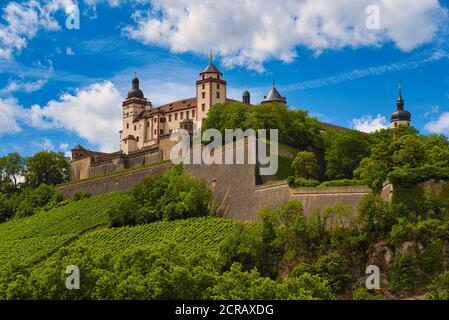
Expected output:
(400, 117)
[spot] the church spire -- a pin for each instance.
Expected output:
(400, 101)
(400, 116)
(135, 91)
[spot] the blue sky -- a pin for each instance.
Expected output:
(61, 86)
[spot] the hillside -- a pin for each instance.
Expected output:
(33, 239)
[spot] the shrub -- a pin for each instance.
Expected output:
(237, 284)
(124, 212)
(6, 208)
(375, 214)
(80, 195)
(300, 182)
(402, 231)
(409, 177)
(305, 287)
(305, 165)
(439, 288)
(361, 293)
(343, 183)
(331, 267)
(29, 201)
(404, 274)
(169, 196)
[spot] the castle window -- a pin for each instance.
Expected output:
(127, 126)
(187, 114)
(218, 86)
(176, 116)
(218, 77)
(148, 124)
(204, 86)
(193, 113)
(135, 127)
(162, 132)
(182, 115)
(203, 107)
(218, 95)
(204, 77)
(203, 95)
(155, 132)
(169, 118)
(138, 139)
(155, 120)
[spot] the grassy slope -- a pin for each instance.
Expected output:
(191, 235)
(30, 240)
(27, 240)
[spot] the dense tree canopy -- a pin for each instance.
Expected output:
(169, 196)
(344, 151)
(296, 127)
(305, 165)
(12, 167)
(47, 167)
(401, 148)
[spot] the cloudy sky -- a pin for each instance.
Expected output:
(61, 85)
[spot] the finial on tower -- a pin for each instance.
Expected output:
(211, 56)
(400, 90)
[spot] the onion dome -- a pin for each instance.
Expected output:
(135, 91)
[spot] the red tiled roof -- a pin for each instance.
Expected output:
(169, 107)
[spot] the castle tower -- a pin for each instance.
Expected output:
(210, 90)
(400, 116)
(133, 106)
(274, 96)
(246, 97)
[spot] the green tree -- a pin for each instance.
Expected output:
(408, 152)
(6, 208)
(50, 168)
(375, 214)
(226, 115)
(306, 166)
(12, 166)
(344, 151)
(171, 195)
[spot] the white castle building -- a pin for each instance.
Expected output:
(144, 124)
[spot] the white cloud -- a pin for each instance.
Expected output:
(22, 21)
(94, 113)
(248, 33)
(416, 61)
(45, 144)
(69, 51)
(64, 146)
(369, 124)
(433, 110)
(440, 126)
(27, 87)
(10, 113)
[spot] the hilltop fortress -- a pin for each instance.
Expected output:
(146, 129)
(145, 145)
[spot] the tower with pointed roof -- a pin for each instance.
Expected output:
(246, 97)
(400, 116)
(210, 90)
(133, 106)
(274, 96)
